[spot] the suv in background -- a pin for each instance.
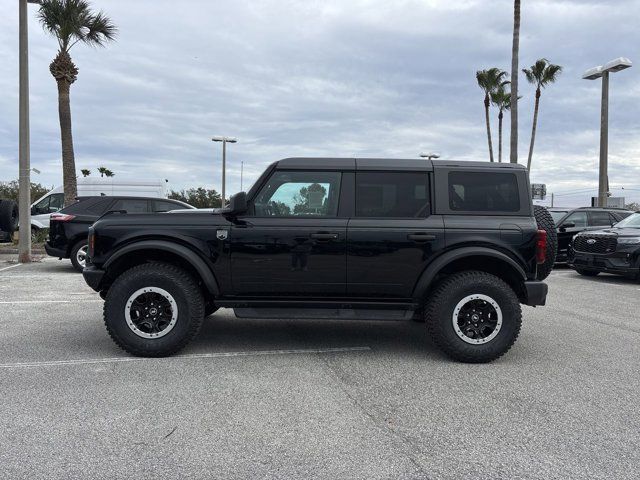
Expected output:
(455, 242)
(69, 227)
(612, 250)
(583, 219)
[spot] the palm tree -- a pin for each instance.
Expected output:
(541, 74)
(501, 99)
(489, 80)
(85, 172)
(102, 171)
(109, 173)
(515, 51)
(70, 22)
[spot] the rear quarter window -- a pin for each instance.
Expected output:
(483, 192)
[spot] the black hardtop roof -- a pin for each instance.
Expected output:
(326, 163)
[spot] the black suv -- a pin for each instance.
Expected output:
(69, 227)
(455, 243)
(612, 250)
(573, 221)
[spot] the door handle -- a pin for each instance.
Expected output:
(421, 237)
(324, 236)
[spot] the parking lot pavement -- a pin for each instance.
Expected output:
(316, 399)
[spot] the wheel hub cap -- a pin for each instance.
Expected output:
(151, 312)
(477, 319)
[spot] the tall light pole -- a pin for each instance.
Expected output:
(593, 74)
(224, 141)
(430, 155)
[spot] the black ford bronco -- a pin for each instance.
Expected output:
(457, 245)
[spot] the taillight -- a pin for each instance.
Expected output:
(541, 246)
(92, 244)
(61, 217)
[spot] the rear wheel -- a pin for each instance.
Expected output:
(79, 255)
(153, 310)
(587, 273)
(473, 317)
(8, 216)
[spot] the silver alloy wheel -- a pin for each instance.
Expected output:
(151, 312)
(477, 319)
(81, 256)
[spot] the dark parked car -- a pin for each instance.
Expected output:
(69, 227)
(580, 220)
(612, 250)
(456, 243)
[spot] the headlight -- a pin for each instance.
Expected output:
(629, 240)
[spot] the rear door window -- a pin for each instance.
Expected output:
(131, 205)
(392, 194)
(164, 206)
(600, 219)
(483, 192)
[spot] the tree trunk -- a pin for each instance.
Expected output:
(500, 116)
(68, 159)
(486, 115)
(514, 82)
(533, 128)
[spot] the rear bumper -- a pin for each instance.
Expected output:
(55, 252)
(93, 276)
(536, 293)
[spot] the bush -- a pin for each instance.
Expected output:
(198, 197)
(9, 190)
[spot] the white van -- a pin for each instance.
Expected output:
(53, 201)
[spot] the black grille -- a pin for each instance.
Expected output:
(595, 243)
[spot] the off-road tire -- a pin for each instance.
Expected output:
(587, 273)
(184, 290)
(8, 216)
(440, 310)
(74, 254)
(545, 222)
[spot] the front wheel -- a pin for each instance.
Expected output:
(587, 273)
(474, 317)
(153, 310)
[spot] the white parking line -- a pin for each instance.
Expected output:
(20, 302)
(11, 266)
(91, 361)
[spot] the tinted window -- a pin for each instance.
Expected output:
(390, 194)
(299, 194)
(165, 206)
(131, 205)
(600, 219)
(483, 192)
(57, 202)
(579, 218)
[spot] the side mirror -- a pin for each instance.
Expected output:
(237, 204)
(568, 225)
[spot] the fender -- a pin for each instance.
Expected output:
(184, 252)
(443, 260)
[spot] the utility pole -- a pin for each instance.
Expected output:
(552, 199)
(24, 173)
(224, 141)
(241, 173)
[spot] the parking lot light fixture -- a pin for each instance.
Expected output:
(224, 141)
(603, 72)
(430, 155)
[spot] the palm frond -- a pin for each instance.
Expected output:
(71, 21)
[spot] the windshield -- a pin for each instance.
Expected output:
(557, 215)
(632, 221)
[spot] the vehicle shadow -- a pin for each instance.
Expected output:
(608, 279)
(223, 329)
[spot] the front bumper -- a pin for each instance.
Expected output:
(55, 252)
(620, 262)
(93, 276)
(536, 293)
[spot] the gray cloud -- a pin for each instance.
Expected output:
(365, 78)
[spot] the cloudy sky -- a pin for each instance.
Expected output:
(325, 78)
